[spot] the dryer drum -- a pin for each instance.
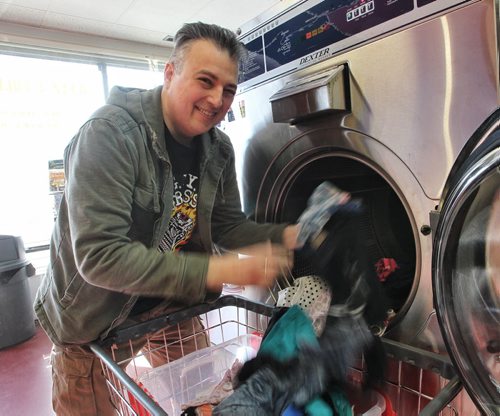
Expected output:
(384, 222)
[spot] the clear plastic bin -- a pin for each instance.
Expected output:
(195, 375)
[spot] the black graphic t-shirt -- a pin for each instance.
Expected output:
(185, 169)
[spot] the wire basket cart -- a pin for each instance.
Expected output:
(234, 325)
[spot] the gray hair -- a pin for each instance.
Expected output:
(223, 38)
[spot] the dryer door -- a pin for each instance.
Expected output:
(466, 269)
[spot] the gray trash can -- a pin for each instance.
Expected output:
(16, 310)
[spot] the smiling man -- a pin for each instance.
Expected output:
(150, 188)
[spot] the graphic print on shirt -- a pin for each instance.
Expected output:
(183, 218)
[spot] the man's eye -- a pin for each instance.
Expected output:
(206, 81)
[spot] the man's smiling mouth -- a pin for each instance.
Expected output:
(206, 113)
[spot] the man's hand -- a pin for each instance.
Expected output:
(259, 265)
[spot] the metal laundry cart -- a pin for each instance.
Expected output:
(235, 325)
(137, 389)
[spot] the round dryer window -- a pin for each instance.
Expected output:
(466, 269)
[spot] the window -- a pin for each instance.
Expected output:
(43, 102)
(128, 77)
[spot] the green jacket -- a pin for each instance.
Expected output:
(116, 207)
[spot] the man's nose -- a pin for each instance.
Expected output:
(215, 97)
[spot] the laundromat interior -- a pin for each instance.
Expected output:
(395, 102)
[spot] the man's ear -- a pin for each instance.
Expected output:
(168, 73)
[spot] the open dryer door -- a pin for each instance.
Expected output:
(466, 267)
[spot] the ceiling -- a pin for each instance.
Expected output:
(144, 21)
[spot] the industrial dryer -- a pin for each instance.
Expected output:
(394, 101)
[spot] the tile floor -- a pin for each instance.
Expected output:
(25, 380)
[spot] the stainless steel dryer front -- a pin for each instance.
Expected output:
(378, 97)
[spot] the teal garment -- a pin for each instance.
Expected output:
(282, 342)
(291, 330)
(342, 405)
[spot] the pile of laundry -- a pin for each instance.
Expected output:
(321, 325)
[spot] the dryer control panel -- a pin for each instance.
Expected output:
(312, 31)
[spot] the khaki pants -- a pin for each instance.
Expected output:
(78, 384)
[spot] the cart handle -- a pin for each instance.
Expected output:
(137, 330)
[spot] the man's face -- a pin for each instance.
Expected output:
(197, 95)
